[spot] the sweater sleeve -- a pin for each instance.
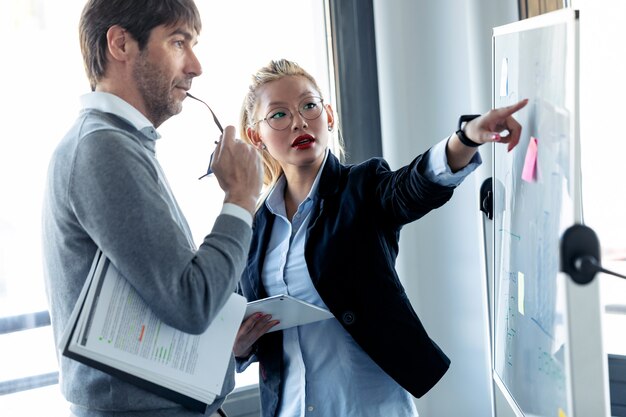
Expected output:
(118, 198)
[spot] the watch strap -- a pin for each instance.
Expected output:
(461, 133)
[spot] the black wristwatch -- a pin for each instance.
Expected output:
(461, 134)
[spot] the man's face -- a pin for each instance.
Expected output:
(164, 69)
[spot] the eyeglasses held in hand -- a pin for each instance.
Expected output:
(209, 171)
(281, 118)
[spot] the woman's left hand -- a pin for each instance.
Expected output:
(250, 331)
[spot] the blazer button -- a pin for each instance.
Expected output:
(348, 318)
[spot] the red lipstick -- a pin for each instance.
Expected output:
(303, 142)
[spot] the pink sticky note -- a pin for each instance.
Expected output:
(529, 173)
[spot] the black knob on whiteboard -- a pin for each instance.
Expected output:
(486, 198)
(580, 254)
(580, 242)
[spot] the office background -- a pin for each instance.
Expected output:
(432, 62)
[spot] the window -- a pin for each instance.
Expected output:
(43, 81)
(602, 153)
(530, 8)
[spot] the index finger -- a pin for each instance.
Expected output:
(228, 137)
(507, 111)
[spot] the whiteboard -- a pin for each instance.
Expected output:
(536, 353)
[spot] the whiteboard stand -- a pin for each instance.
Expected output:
(580, 259)
(588, 369)
(485, 201)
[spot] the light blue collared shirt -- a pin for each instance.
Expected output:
(326, 373)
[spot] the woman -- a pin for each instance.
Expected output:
(327, 233)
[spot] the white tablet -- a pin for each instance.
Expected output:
(288, 310)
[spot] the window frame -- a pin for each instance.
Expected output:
(356, 77)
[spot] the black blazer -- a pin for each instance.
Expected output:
(350, 250)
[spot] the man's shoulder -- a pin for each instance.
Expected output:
(100, 130)
(97, 133)
(92, 120)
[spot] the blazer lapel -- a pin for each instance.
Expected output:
(263, 223)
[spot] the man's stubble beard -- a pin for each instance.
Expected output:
(156, 90)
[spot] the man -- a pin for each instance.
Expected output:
(106, 190)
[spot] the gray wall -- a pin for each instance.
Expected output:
(434, 64)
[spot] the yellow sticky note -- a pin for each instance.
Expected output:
(562, 413)
(520, 292)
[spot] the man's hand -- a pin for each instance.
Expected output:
(238, 169)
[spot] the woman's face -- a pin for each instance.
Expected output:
(293, 123)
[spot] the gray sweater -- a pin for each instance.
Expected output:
(105, 189)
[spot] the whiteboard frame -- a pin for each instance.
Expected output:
(586, 360)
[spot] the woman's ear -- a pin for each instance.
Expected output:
(330, 116)
(254, 137)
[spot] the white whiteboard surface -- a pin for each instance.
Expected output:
(547, 343)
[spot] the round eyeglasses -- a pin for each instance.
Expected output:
(281, 118)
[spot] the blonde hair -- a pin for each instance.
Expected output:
(275, 70)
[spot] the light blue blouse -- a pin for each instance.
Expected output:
(326, 373)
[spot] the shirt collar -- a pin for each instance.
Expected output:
(110, 103)
(275, 201)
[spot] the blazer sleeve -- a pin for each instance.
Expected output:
(407, 194)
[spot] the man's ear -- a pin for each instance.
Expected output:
(254, 136)
(120, 43)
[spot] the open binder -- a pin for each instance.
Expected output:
(113, 330)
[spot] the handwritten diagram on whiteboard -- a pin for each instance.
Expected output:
(533, 205)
